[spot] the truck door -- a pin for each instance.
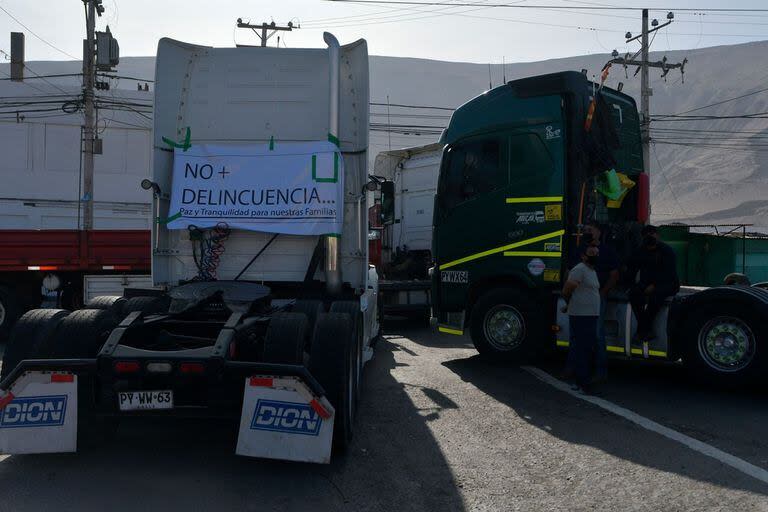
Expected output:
(499, 210)
(470, 203)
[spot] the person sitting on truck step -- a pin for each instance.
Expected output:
(607, 269)
(654, 270)
(581, 293)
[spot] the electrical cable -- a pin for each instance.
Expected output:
(37, 36)
(210, 243)
(554, 7)
(720, 102)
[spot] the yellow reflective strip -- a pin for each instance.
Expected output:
(561, 343)
(501, 249)
(546, 199)
(546, 254)
(657, 353)
(637, 351)
(450, 331)
(614, 349)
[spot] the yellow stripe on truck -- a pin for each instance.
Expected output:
(534, 254)
(501, 249)
(450, 331)
(546, 199)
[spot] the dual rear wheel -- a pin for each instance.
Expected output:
(333, 344)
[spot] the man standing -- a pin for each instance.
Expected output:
(607, 269)
(655, 268)
(581, 293)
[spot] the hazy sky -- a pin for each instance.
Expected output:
(472, 34)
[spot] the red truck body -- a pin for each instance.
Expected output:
(72, 250)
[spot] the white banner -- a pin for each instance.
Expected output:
(295, 187)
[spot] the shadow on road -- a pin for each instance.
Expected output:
(416, 331)
(394, 463)
(575, 422)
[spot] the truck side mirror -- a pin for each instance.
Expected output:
(387, 202)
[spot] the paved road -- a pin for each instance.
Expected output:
(438, 430)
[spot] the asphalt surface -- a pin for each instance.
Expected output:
(439, 430)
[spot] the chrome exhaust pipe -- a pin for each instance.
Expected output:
(333, 280)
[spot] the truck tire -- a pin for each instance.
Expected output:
(506, 324)
(148, 305)
(83, 332)
(725, 342)
(286, 338)
(113, 303)
(31, 337)
(311, 308)
(10, 310)
(352, 308)
(330, 362)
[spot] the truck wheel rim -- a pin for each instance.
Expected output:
(727, 344)
(504, 327)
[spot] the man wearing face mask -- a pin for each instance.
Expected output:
(581, 293)
(607, 268)
(655, 268)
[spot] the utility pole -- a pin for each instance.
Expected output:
(643, 66)
(645, 96)
(267, 29)
(89, 129)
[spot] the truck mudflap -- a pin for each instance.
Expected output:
(282, 419)
(38, 414)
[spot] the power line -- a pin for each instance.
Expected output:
(549, 7)
(48, 76)
(26, 83)
(391, 12)
(127, 78)
(399, 105)
(721, 102)
(7, 56)
(14, 18)
(664, 175)
(713, 146)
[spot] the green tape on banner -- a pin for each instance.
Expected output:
(333, 139)
(169, 219)
(272, 143)
(181, 145)
(333, 235)
(335, 178)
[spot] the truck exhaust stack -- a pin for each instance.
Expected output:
(333, 243)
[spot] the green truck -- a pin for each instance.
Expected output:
(524, 167)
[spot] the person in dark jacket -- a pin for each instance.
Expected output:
(654, 267)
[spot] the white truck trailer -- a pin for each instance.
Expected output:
(41, 240)
(405, 234)
(268, 308)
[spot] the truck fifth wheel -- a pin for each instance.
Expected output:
(520, 174)
(263, 305)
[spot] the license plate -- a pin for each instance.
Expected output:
(145, 400)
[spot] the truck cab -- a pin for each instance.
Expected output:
(525, 166)
(516, 181)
